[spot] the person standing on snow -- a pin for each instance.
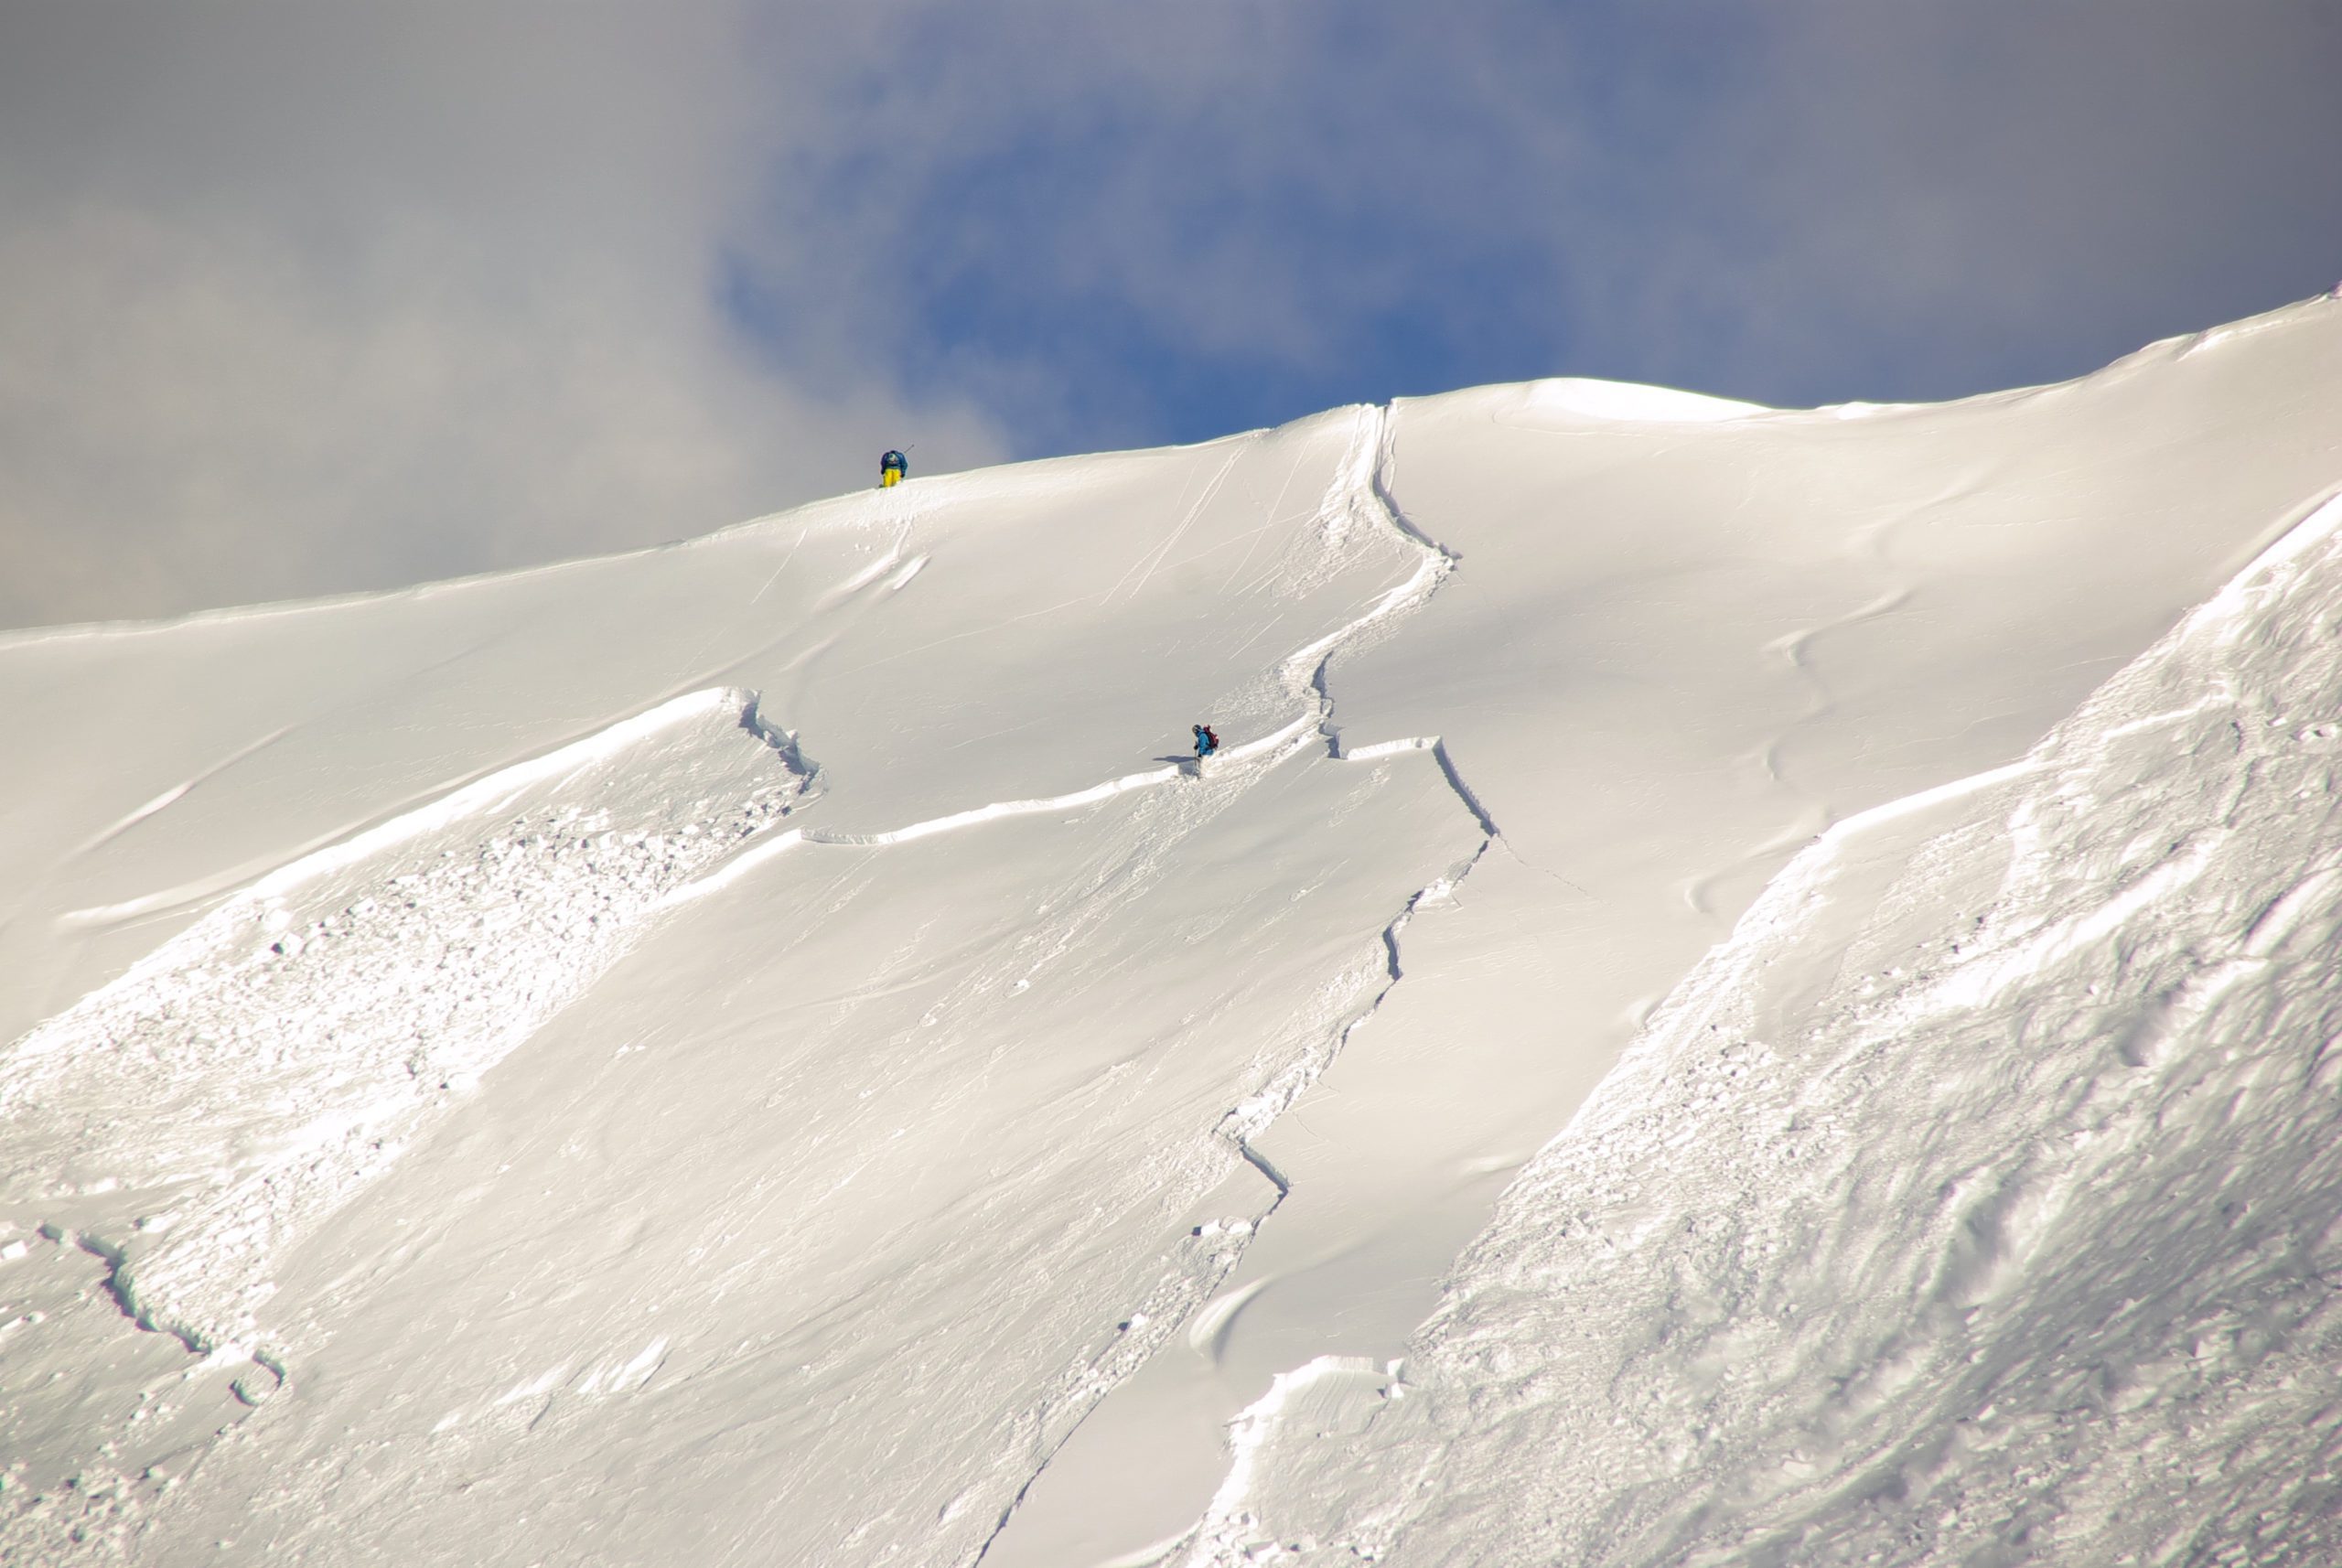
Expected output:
(891, 469)
(1206, 742)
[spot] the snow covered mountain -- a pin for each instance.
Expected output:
(766, 1050)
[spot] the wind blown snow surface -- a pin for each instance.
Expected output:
(766, 1050)
(1979, 1202)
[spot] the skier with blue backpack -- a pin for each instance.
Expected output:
(1206, 742)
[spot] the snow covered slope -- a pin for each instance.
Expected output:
(732, 1053)
(1978, 1202)
(1671, 653)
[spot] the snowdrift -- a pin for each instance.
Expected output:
(765, 1050)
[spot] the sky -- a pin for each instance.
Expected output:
(305, 300)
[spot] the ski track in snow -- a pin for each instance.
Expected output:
(179, 792)
(1975, 1202)
(1821, 1274)
(1358, 498)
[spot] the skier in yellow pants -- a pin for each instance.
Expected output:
(891, 469)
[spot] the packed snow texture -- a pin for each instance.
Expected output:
(453, 1117)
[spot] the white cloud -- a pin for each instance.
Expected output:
(289, 307)
(187, 418)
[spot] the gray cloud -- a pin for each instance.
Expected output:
(291, 303)
(1916, 201)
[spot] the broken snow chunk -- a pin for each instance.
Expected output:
(255, 1386)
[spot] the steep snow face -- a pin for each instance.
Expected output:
(453, 1116)
(1976, 1203)
(1675, 646)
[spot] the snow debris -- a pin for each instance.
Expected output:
(291, 1071)
(2015, 1242)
